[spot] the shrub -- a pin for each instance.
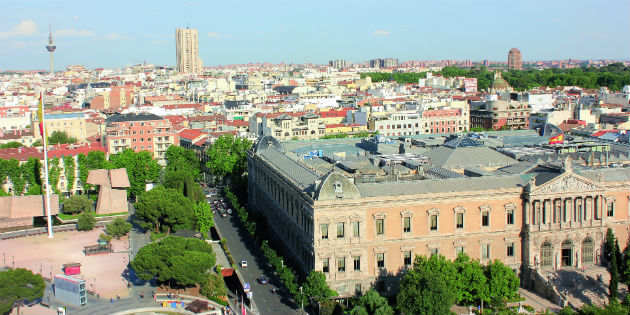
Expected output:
(105, 237)
(86, 221)
(118, 228)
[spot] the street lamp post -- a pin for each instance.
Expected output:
(301, 301)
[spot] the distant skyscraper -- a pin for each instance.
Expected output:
(338, 64)
(515, 60)
(187, 45)
(51, 46)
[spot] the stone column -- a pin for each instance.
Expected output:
(528, 206)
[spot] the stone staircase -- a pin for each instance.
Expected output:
(581, 286)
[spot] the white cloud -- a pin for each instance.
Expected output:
(158, 42)
(71, 32)
(213, 34)
(380, 32)
(75, 17)
(24, 29)
(192, 4)
(114, 36)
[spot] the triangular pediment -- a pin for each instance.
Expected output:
(567, 183)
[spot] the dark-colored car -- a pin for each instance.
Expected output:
(262, 280)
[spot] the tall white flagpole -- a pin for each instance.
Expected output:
(48, 215)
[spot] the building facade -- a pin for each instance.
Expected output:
(363, 234)
(140, 132)
(187, 50)
(515, 60)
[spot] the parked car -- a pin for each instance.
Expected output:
(229, 211)
(243, 264)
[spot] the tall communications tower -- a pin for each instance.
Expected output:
(50, 47)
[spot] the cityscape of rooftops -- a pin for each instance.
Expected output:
(348, 157)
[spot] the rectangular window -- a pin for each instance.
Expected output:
(510, 250)
(341, 264)
(510, 217)
(433, 252)
(380, 226)
(357, 288)
(460, 221)
(459, 250)
(485, 251)
(406, 224)
(324, 228)
(380, 260)
(357, 263)
(407, 258)
(434, 222)
(340, 230)
(611, 209)
(326, 265)
(485, 218)
(355, 229)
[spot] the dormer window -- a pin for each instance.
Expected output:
(338, 188)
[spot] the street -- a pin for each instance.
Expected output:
(243, 247)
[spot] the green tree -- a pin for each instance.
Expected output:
(54, 171)
(69, 168)
(227, 156)
(31, 172)
(472, 284)
(422, 291)
(175, 261)
(185, 183)
(609, 244)
(164, 209)
(4, 175)
(77, 204)
(86, 221)
(17, 285)
(502, 281)
(16, 176)
(118, 228)
(315, 286)
(141, 169)
(613, 287)
(203, 215)
(180, 159)
(82, 164)
(439, 265)
(37, 143)
(11, 145)
(61, 137)
(96, 160)
(372, 303)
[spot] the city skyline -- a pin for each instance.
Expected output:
(238, 32)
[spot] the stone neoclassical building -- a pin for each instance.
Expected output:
(362, 234)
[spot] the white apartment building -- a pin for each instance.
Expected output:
(187, 49)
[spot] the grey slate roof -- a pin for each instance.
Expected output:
(440, 185)
(468, 156)
(292, 170)
(132, 117)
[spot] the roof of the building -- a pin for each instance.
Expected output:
(467, 156)
(430, 186)
(292, 170)
(132, 117)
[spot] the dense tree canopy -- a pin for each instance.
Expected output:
(472, 284)
(61, 137)
(502, 281)
(372, 303)
(77, 204)
(17, 285)
(182, 160)
(315, 286)
(141, 169)
(227, 156)
(164, 209)
(613, 76)
(175, 261)
(422, 291)
(11, 145)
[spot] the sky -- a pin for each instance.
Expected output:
(117, 33)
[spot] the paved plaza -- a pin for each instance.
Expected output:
(103, 273)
